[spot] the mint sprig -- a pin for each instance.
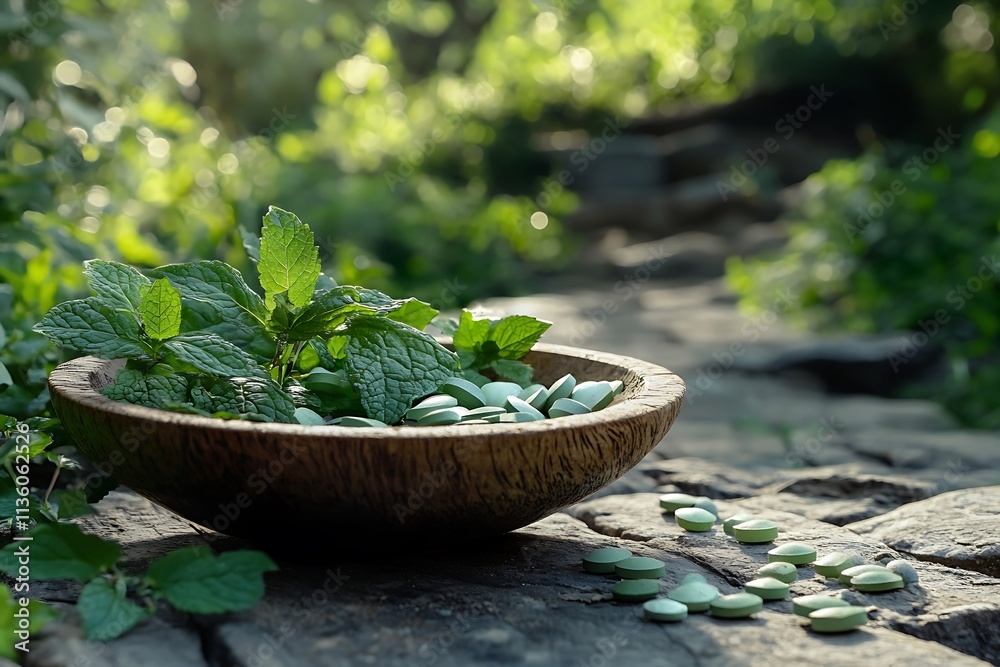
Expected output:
(193, 579)
(200, 340)
(198, 581)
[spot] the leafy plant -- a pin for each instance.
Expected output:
(112, 602)
(21, 443)
(199, 339)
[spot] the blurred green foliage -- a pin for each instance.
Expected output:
(905, 240)
(152, 131)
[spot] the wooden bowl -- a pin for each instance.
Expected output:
(285, 482)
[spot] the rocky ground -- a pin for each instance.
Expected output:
(886, 478)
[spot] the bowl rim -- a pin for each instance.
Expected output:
(660, 389)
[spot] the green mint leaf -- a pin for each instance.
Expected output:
(217, 300)
(62, 551)
(197, 581)
(514, 371)
(256, 399)
(414, 312)
(327, 311)
(208, 353)
(392, 364)
(515, 335)
(243, 331)
(37, 442)
(382, 302)
(489, 352)
(325, 282)
(289, 258)
(471, 332)
(5, 379)
(7, 424)
(115, 283)
(93, 326)
(161, 310)
(106, 612)
(216, 283)
(153, 391)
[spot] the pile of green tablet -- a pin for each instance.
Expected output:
(460, 401)
(640, 576)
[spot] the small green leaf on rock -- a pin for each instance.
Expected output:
(72, 503)
(197, 581)
(106, 612)
(61, 551)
